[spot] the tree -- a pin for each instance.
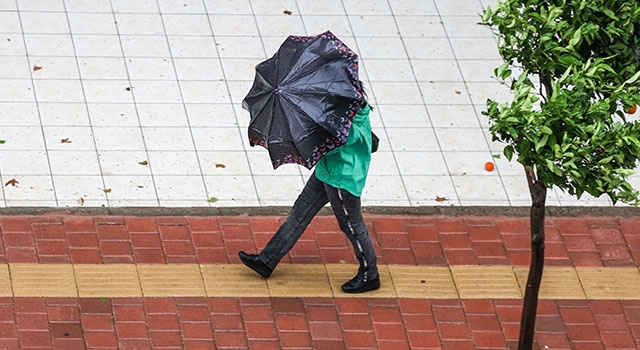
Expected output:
(579, 72)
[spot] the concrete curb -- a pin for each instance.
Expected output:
(283, 211)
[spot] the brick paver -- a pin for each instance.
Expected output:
(200, 322)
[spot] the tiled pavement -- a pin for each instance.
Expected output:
(137, 103)
(76, 282)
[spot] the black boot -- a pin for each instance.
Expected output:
(358, 284)
(253, 262)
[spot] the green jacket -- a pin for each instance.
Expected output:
(346, 167)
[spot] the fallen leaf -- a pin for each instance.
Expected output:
(144, 162)
(496, 156)
(2, 142)
(128, 88)
(8, 39)
(458, 92)
(423, 281)
(140, 186)
(65, 140)
(12, 182)
(287, 12)
(441, 199)
(36, 68)
(212, 200)
(81, 201)
(103, 300)
(218, 165)
(107, 190)
(342, 261)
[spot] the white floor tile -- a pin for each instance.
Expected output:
(453, 116)
(227, 163)
(484, 189)
(74, 163)
(436, 70)
(191, 24)
(174, 163)
(26, 138)
(44, 22)
(444, 93)
(279, 25)
(461, 139)
(118, 138)
(108, 91)
(421, 163)
(102, 68)
(217, 139)
(338, 25)
(69, 138)
(414, 8)
(385, 188)
(156, 91)
(373, 26)
(197, 91)
(431, 190)
(10, 22)
(145, 46)
(382, 48)
(168, 139)
(465, 26)
(19, 114)
(186, 6)
(327, 7)
(18, 163)
(29, 188)
(180, 188)
(124, 163)
(378, 70)
(384, 163)
(16, 90)
(151, 68)
(468, 163)
(88, 6)
(403, 115)
(413, 139)
(98, 45)
(49, 44)
(429, 48)
(70, 189)
(113, 114)
(231, 188)
(139, 24)
(422, 26)
(15, 67)
(92, 23)
(12, 44)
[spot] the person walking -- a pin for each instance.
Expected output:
(339, 179)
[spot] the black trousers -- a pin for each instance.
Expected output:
(315, 195)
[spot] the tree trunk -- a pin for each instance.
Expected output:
(538, 192)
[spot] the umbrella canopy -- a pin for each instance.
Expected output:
(304, 98)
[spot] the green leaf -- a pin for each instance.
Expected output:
(2, 142)
(546, 130)
(508, 152)
(212, 200)
(144, 162)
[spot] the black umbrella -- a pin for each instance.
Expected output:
(304, 98)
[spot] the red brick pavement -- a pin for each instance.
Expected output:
(320, 323)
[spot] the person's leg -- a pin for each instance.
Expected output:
(309, 202)
(347, 210)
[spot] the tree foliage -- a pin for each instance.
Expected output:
(579, 70)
